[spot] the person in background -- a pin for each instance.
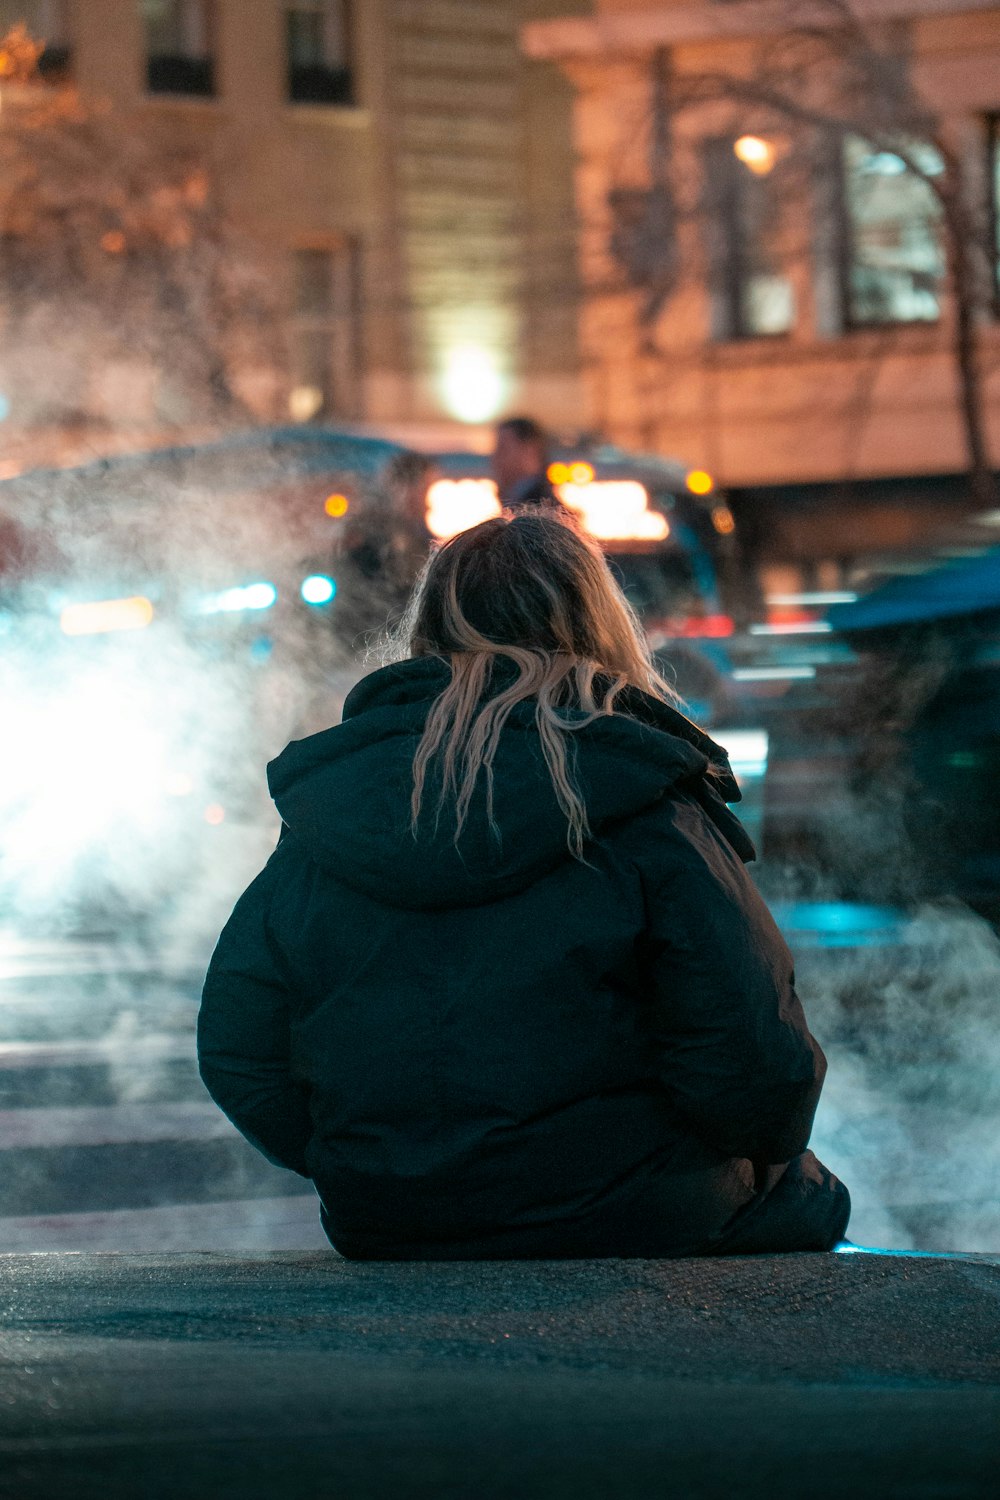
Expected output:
(520, 460)
(505, 989)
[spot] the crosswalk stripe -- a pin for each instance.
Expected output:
(105, 1125)
(152, 1048)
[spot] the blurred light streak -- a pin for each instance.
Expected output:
(249, 596)
(104, 615)
(839, 924)
(847, 1247)
(773, 674)
(610, 509)
(747, 750)
(453, 505)
(615, 510)
(708, 627)
(179, 784)
(832, 596)
(794, 627)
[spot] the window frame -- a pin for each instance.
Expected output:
(341, 326)
(729, 264)
(342, 79)
(158, 65)
(846, 252)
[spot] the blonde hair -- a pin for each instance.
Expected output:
(531, 588)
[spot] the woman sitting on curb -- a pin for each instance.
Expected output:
(504, 988)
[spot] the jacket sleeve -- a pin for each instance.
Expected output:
(244, 1039)
(735, 1053)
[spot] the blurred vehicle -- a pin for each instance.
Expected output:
(670, 539)
(170, 619)
(166, 627)
(884, 763)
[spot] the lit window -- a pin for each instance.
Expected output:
(753, 295)
(893, 262)
(46, 21)
(180, 44)
(325, 375)
(319, 62)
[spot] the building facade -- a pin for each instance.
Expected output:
(767, 267)
(403, 165)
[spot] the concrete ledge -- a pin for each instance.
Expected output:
(129, 1375)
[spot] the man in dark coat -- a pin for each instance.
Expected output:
(482, 1053)
(520, 463)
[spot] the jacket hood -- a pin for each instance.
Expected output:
(345, 793)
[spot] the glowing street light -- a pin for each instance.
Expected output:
(755, 153)
(471, 384)
(304, 402)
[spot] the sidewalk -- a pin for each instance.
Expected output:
(299, 1374)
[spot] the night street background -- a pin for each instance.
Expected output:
(271, 272)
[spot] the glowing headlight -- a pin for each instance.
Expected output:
(318, 589)
(250, 596)
(105, 615)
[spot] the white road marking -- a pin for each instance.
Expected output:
(136, 1051)
(109, 1125)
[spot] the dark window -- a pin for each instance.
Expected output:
(325, 334)
(46, 21)
(753, 294)
(179, 46)
(893, 263)
(319, 63)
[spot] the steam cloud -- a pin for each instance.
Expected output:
(115, 747)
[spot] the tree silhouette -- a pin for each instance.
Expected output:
(822, 77)
(117, 253)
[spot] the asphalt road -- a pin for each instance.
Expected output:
(305, 1376)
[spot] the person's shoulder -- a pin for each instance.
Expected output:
(684, 835)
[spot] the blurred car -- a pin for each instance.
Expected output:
(884, 763)
(669, 538)
(166, 625)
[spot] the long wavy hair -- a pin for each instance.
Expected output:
(531, 588)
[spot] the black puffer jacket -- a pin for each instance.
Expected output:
(493, 1051)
